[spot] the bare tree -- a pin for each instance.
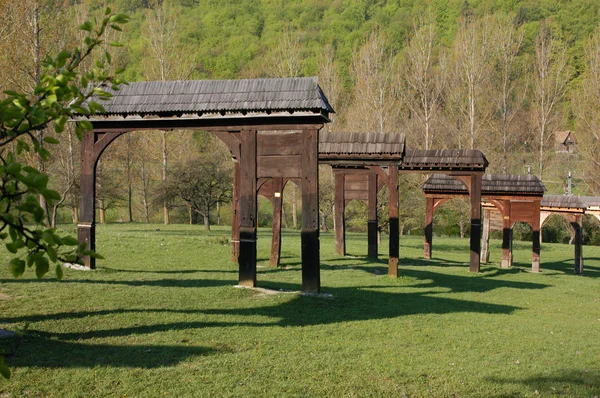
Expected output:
(473, 54)
(508, 42)
(424, 83)
(165, 59)
(375, 92)
(551, 76)
(286, 60)
(587, 109)
(331, 83)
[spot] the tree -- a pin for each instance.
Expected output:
(472, 58)
(374, 105)
(424, 83)
(59, 95)
(508, 44)
(202, 182)
(551, 76)
(587, 108)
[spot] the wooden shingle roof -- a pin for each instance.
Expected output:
(360, 148)
(444, 159)
(564, 201)
(200, 97)
(361, 144)
(491, 184)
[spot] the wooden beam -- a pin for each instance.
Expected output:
(311, 278)
(475, 193)
(578, 227)
(506, 237)
(338, 210)
(276, 201)
(372, 224)
(535, 237)
(248, 209)
(428, 227)
(235, 206)
(394, 252)
(92, 146)
(485, 250)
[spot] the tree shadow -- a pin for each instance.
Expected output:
(179, 283)
(567, 382)
(110, 270)
(47, 351)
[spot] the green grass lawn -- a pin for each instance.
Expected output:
(160, 317)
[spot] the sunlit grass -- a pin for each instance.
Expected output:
(161, 317)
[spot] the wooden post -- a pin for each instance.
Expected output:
(428, 227)
(394, 253)
(235, 206)
(277, 201)
(248, 166)
(578, 226)
(535, 237)
(506, 236)
(485, 250)
(86, 228)
(92, 146)
(475, 193)
(372, 226)
(339, 208)
(311, 278)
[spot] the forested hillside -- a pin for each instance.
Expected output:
(502, 76)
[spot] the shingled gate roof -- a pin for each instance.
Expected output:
(356, 146)
(564, 201)
(491, 184)
(444, 159)
(217, 97)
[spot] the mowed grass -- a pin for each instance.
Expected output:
(161, 317)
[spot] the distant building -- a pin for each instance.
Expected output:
(565, 142)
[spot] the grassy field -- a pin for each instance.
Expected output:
(160, 317)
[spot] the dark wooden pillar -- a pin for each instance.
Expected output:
(372, 224)
(535, 237)
(485, 250)
(311, 278)
(339, 208)
(86, 228)
(577, 225)
(394, 253)
(248, 166)
(506, 237)
(92, 146)
(235, 206)
(277, 202)
(475, 192)
(428, 227)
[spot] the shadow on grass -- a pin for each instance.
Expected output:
(45, 350)
(180, 283)
(567, 382)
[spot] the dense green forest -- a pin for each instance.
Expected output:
(502, 76)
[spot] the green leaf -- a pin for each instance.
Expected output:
(95, 255)
(59, 272)
(47, 237)
(11, 248)
(52, 254)
(4, 370)
(41, 267)
(87, 26)
(51, 140)
(16, 267)
(69, 241)
(13, 168)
